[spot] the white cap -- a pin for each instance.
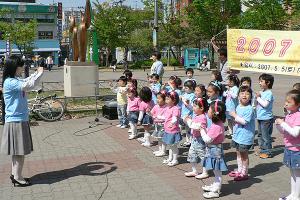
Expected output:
(204, 56)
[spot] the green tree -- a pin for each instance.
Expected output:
(292, 8)
(210, 17)
(264, 15)
(22, 34)
(173, 33)
(115, 25)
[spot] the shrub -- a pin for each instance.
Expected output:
(173, 61)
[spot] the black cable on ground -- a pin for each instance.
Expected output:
(79, 147)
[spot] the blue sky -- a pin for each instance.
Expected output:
(76, 3)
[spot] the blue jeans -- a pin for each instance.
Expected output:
(122, 112)
(265, 129)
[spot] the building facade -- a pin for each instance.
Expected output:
(47, 37)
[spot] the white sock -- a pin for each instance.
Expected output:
(218, 177)
(239, 163)
(170, 155)
(134, 129)
(204, 171)
(296, 190)
(245, 168)
(194, 169)
(18, 162)
(147, 137)
(175, 152)
(163, 147)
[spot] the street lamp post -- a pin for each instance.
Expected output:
(155, 28)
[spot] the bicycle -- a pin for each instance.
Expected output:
(47, 108)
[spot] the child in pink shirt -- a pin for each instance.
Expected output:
(133, 104)
(172, 134)
(290, 128)
(158, 115)
(145, 118)
(197, 149)
(214, 158)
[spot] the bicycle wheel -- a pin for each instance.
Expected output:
(51, 110)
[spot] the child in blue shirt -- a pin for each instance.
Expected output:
(243, 132)
(155, 87)
(190, 73)
(246, 81)
(173, 85)
(187, 100)
(264, 112)
(231, 99)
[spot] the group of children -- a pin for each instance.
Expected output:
(202, 111)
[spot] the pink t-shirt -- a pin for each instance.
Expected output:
(158, 113)
(292, 120)
(199, 119)
(172, 112)
(133, 104)
(146, 107)
(216, 132)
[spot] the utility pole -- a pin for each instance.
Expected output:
(155, 28)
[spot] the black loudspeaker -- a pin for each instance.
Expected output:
(109, 110)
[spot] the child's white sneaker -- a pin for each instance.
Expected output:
(202, 176)
(146, 144)
(211, 195)
(214, 187)
(190, 174)
(129, 130)
(160, 154)
(156, 152)
(131, 137)
(119, 125)
(166, 161)
(173, 163)
(123, 126)
(141, 139)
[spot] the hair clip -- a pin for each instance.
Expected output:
(163, 92)
(172, 93)
(199, 100)
(216, 107)
(216, 83)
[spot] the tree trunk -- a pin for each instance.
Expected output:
(107, 57)
(125, 63)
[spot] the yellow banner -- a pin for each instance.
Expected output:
(264, 51)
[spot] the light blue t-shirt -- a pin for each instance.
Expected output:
(16, 105)
(231, 100)
(155, 88)
(187, 111)
(267, 112)
(209, 121)
(244, 134)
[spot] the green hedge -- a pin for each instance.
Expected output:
(139, 64)
(173, 61)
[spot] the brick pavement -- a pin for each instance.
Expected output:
(65, 166)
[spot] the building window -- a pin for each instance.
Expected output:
(25, 20)
(45, 35)
(45, 19)
(48, 21)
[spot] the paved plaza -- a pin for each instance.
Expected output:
(77, 159)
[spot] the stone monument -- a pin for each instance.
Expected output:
(81, 78)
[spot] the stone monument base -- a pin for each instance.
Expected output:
(81, 79)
